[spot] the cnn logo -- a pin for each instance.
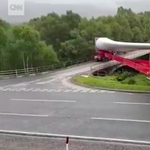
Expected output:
(16, 7)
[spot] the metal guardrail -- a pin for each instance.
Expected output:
(35, 70)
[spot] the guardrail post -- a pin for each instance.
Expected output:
(25, 70)
(64, 65)
(36, 69)
(16, 73)
(67, 142)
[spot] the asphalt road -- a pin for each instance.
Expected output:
(50, 104)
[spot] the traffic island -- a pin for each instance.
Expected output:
(137, 83)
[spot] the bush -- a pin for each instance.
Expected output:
(123, 76)
(131, 81)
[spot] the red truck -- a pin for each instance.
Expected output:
(101, 56)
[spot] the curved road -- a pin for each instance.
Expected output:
(50, 104)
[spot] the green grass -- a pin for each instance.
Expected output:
(141, 83)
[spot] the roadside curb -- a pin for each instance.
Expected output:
(74, 137)
(107, 89)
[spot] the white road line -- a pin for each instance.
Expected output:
(20, 84)
(25, 115)
(112, 92)
(67, 90)
(11, 89)
(46, 90)
(84, 91)
(40, 83)
(102, 91)
(22, 89)
(30, 89)
(131, 103)
(37, 134)
(23, 83)
(93, 91)
(19, 76)
(118, 119)
(4, 90)
(18, 90)
(32, 75)
(129, 93)
(43, 100)
(57, 90)
(51, 90)
(75, 90)
(44, 72)
(35, 90)
(46, 82)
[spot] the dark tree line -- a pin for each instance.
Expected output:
(51, 39)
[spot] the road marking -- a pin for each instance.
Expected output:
(128, 93)
(46, 82)
(4, 90)
(76, 91)
(25, 115)
(93, 91)
(111, 92)
(45, 90)
(118, 119)
(43, 100)
(84, 91)
(30, 89)
(19, 76)
(23, 83)
(35, 90)
(40, 83)
(32, 75)
(67, 91)
(37, 134)
(86, 76)
(131, 103)
(18, 90)
(102, 91)
(44, 72)
(20, 84)
(9, 89)
(56, 91)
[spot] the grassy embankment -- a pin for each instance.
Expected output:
(123, 81)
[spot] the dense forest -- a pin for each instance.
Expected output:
(53, 38)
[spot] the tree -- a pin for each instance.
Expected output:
(29, 48)
(137, 35)
(3, 40)
(72, 19)
(57, 38)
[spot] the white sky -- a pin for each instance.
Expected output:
(67, 1)
(77, 1)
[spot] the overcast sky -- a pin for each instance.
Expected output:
(78, 1)
(82, 7)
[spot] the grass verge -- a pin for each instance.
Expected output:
(140, 84)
